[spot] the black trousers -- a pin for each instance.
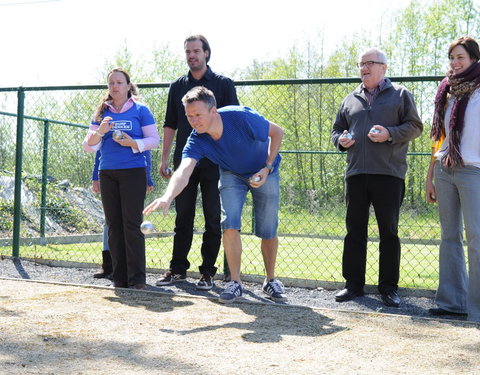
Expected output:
(123, 194)
(185, 204)
(386, 194)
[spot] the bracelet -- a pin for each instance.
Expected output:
(99, 134)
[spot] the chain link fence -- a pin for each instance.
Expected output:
(60, 219)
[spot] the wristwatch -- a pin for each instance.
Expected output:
(269, 167)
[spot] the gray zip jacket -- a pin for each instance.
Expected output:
(394, 109)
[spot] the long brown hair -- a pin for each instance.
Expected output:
(133, 92)
(470, 45)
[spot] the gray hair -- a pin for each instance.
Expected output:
(381, 56)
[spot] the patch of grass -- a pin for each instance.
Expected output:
(311, 246)
(6, 215)
(298, 257)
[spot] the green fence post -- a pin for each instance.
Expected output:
(43, 204)
(17, 202)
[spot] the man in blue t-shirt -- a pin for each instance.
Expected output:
(245, 146)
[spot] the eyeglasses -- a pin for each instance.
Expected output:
(368, 64)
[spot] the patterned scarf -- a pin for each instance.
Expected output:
(461, 86)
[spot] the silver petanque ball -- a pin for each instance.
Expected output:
(117, 134)
(147, 227)
(168, 171)
(374, 131)
(254, 179)
(347, 135)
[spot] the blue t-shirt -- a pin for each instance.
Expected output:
(243, 146)
(114, 156)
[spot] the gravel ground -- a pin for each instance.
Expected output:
(412, 304)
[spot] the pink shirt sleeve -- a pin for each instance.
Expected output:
(85, 145)
(150, 139)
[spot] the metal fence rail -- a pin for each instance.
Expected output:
(48, 212)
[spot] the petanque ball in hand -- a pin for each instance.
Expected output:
(347, 135)
(147, 227)
(374, 131)
(168, 171)
(117, 134)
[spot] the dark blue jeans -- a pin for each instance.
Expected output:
(185, 203)
(386, 194)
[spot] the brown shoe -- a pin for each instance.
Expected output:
(139, 286)
(119, 284)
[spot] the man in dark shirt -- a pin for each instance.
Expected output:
(197, 53)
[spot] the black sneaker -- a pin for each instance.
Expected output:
(169, 278)
(438, 311)
(103, 275)
(205, 283)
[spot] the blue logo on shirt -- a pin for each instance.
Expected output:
(122, 125)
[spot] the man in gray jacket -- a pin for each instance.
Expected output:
(374, 125)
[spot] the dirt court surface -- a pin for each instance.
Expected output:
(68, 329)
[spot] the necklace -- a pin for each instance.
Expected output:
(118, 107)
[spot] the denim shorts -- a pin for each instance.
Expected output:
(233, 192)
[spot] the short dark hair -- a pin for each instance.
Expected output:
(470, 45)
(205, 44)
(200, 94)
